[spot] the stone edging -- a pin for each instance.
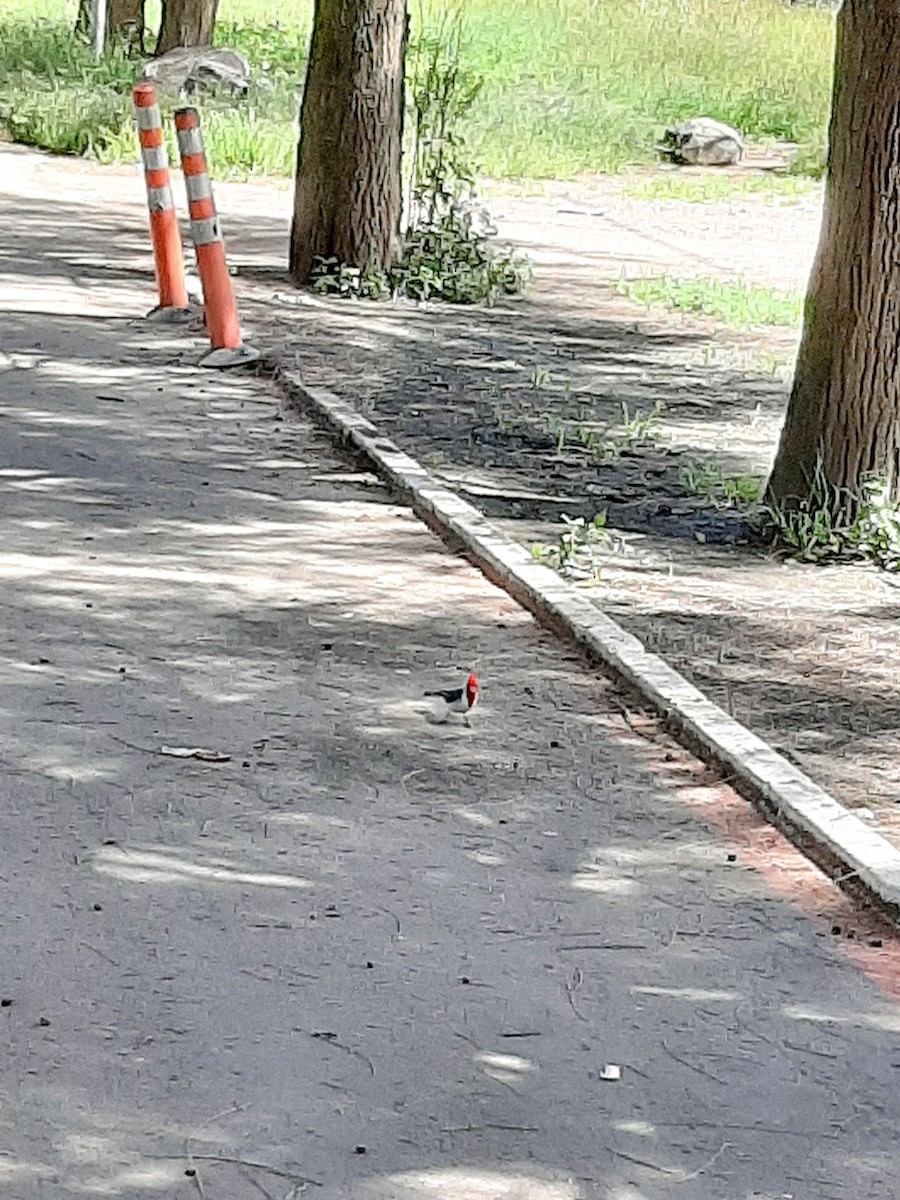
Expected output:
(825, 829)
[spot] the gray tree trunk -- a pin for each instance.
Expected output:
(348, 196)
(186, 23)
(845, 401)
(124, 22)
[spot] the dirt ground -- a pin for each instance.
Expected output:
(270, 927)
(802, 655)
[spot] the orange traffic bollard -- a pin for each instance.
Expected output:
(168, 256)
(218, 295)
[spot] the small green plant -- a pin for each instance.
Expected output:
(725, 491)
(739, 304)
(331, 277)
(876, 530)
(603, 440)
(741, 489)
(640, 426)
(832, 523)
(575, 554)
(450, 250)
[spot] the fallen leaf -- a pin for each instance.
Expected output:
(195, 752)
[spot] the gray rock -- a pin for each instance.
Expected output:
(702, 142)
(184, 70)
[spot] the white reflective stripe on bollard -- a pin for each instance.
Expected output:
(206, 231)
(197, 187)
(160, 199)
(148, 118)
(154, 157)
(190, 141)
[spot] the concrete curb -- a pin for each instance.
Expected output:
(825, 829)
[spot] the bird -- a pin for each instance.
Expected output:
(460, 699)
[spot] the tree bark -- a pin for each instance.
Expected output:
(84, 20)
(124, 22)
(186, 23)
(845, 401)
(348, 195)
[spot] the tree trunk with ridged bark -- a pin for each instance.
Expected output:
(186, 23)
(844, 409)
(348, 193)
(124, 22)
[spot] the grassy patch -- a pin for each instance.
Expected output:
(740, 305)
(707, 479)
(709, 187)
(602, 440)
(834, 524)
(569, 85)
(54, 95)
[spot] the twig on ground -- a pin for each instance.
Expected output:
(331, 1040)
(232, 1160)
(705, 1167)
(490, 1125)
(692, 1065)
(572, 985)
(676, 1175)
(255, 1183)
(195, 1174)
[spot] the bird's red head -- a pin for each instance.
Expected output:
(472, 688)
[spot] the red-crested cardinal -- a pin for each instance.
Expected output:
(460, 699)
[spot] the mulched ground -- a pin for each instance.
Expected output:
(573, 401)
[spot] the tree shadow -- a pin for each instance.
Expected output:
(391, 957)
(534, 396)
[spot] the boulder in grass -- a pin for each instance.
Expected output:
(187, 69)
(702, 142)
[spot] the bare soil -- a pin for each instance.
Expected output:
(803, 655)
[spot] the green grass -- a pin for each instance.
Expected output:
(707, 188)
(707, 479)
(54, 95)
(570, 85)
(740, 305)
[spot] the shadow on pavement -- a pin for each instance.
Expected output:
(364, 956)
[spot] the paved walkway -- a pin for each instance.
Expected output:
(368, 957)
